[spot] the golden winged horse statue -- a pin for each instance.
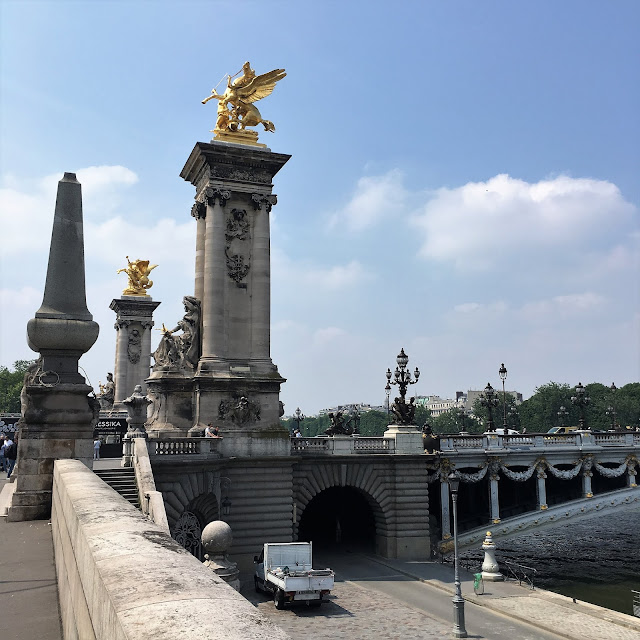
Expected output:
(236, 110)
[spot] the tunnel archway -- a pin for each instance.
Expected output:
(339, 518)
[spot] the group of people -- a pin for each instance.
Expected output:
(211, 431)
(8, 453)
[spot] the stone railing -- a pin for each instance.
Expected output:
(539, 441)
(341, 445)
(121, 576)
(185, 447)
(151, 502)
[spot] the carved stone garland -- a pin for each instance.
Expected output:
(613, 473)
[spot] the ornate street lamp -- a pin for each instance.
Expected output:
(502, 372)
(298, 417)
(402, 378)
(387, 390)
(458, 601)
(611, 411)
(581, 400)
(562, 414)
(488, 399)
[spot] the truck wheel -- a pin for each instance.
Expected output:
(256, 584)
(278, 598)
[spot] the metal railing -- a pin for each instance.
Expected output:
(520, 572)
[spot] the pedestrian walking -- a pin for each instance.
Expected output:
(10, 455)
(96, 448)
(3, 466)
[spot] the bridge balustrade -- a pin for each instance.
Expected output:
(184, 446)
(341, 446)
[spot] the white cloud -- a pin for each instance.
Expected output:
(375, 198)
(329, 334)
(29, 204)
(481, 223)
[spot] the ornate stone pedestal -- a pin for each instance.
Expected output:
(490, 568)
(408, 438)
(134, 320)
(235, 384)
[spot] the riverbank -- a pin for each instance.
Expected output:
(558, 614)
(595, 559)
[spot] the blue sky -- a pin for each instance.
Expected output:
(463, 180)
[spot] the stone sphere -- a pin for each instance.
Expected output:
(217, 537)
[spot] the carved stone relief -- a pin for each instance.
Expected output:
(237, 230)
(239, 410)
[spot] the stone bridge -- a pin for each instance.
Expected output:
(365, 492)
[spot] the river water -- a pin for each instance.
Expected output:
(596, 559)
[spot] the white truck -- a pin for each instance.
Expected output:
(285, 570)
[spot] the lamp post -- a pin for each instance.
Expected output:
(611, 411)
(387, 390)
(298, 417)
(581, 400)
(502, 372)
(459, 630)
(402, 377)
(562, 414)
(488, 399)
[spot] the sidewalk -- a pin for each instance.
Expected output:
(574, 620)
(28, 588)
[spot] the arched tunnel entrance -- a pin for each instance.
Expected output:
(339, 518)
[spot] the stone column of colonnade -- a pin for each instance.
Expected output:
(541, 488)
(494, 501)
(445, 512)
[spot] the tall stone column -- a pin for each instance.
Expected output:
(587, 474)
(198, 211)
(213, 302)
(134, 322)
(444, 509)
(494, 502)
(58, 416)
(541, 488)
(261, 302)
(236, 384)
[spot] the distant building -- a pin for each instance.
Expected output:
(348, 408)
(464, 401)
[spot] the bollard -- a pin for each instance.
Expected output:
(490, 569)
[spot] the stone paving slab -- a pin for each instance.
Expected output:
(352, 613)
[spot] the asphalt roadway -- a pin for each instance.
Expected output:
(372, 600)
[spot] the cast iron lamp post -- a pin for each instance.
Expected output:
(611, 411)
(502, 372)
(402, 377)
(298, 417)
(562, 414)
(581, 400)
(488, 399)
(458, 601)
(387, 390)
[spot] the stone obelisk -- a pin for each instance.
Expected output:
(57, 414)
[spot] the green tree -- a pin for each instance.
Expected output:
(11, 385)
(512, 410)
(455, 420)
